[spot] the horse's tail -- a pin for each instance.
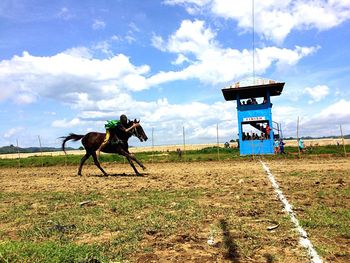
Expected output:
(71, 136)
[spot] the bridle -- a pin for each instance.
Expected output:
(134, 132)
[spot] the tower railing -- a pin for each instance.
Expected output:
(277, 130)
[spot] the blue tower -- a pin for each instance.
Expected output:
(256, 131)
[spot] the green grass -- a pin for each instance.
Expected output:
(331, 224)
(50, 233)
(23, 251)
(29, 220)
(333, 220)
(206, 154)
(324, 211)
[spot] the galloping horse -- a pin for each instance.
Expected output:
(92, 140)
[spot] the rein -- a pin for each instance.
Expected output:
(135, 132)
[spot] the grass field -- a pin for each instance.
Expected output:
(48, 214)
(206, 154)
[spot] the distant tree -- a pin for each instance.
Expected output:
(81, 148)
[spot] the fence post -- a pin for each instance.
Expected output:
(41, 152)
(252, 143)
(152, 145)
(19, 155)
(342, 137)
(184, 141)
(217, 139)
(298, 138)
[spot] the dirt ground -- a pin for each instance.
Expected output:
(240, 211)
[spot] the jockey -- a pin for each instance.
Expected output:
(112, 125)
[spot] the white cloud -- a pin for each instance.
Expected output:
(328, 120)
(198, 119)
(336, 112)
(191, 37)
(133, 27)
(180, 60)
(130, 39)
(213, 64)
(317, 93)
(65, 14)
(104, 47)
(158, 42)
(12, 132)
(67, 124)
(285, 114)
(177, 2)
(168, 120)
(84, 82)
(25, 98)
(69, 76)
(275, 19)
(98, 24)
(79, 52)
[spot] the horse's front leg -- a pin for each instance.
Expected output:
(130, 158)
(137, 161)
(132, 165)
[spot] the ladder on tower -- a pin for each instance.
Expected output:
(277, 130)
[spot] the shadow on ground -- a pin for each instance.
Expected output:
(230, 245)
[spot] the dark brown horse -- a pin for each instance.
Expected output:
(92, 141)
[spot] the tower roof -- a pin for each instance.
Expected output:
(253, 91)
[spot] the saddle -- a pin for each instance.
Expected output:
(115, 141)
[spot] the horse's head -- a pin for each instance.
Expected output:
(138, 131)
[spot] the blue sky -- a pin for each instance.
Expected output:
(67, 66)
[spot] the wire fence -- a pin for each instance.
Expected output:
(220, 136)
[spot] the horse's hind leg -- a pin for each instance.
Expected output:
(97, 163)
(82, 161)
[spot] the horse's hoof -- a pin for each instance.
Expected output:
(143, 168)
(79, 174)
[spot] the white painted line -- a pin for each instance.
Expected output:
(304, 241)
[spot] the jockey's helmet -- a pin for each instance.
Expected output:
(124, 119)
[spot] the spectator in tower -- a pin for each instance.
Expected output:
(268, 130)
(265, 100)
(257, 137)
(248, 136)
(262, 136)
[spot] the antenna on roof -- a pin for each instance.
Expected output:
(253, 31)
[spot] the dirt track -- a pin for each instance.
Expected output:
(236, 200)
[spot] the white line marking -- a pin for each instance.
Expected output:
(304, 241)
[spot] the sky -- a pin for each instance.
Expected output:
(68, 66)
